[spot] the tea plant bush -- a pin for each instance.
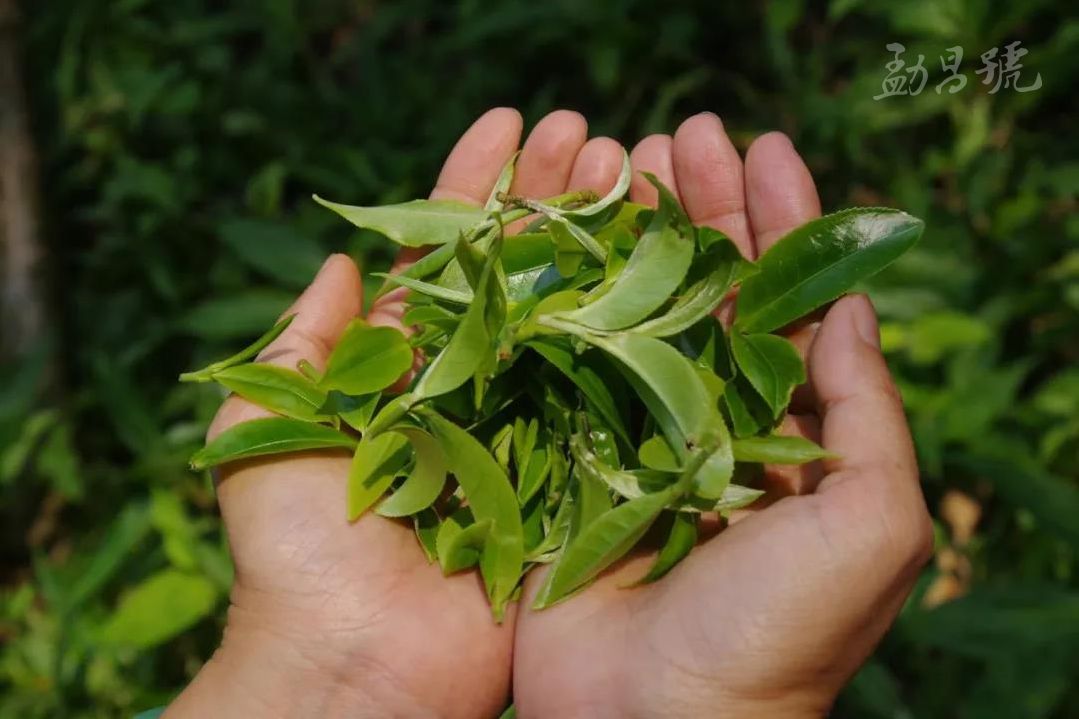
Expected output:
(172, 134)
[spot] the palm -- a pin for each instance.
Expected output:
(357, 590)
(752, 617)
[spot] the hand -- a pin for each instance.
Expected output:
(770, 617)
(332, 619)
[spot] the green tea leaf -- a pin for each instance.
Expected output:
(600, 544)
(569, 253)
(655, 269)
(502, 184)
(771, 364)
(206, 373)
(582, 371)
(719, 268)
(779, 450)
(446, 294)
(819, 261)
(356, 412)
(471, 345)
(277, 389)
(424, 483)
(367, 359)
(272, 435)
(621, 187)
(415, 223)
(462, 549)
(680, 541)
(673, 391)
(490, 497)
(374, 465)
(656, 454)
(426, 525)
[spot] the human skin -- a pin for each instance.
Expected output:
(767, 618)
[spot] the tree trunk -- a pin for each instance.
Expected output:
(22, 291)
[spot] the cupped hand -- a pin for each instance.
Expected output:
(771, 616)
(329, 618)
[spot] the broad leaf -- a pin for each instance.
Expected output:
(471, 346)
(416, 223)
(367, 359)
(374, 465)
(490, 497)
(425, 481)
(277, 389)
(272, 435)
(771, 364)
(462, 549)
(819, 261)
(716, 270)
(583, 372)
(654, 270)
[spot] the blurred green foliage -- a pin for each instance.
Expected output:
(180, 142)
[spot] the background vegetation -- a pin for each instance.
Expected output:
(179, 143)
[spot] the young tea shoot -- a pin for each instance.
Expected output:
(577, 389)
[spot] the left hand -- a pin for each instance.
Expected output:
(329, 618)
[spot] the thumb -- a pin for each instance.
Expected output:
(322, 312)
(872, 488)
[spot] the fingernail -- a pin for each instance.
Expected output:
(865, 322)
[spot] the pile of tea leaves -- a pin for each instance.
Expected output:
(577, 389)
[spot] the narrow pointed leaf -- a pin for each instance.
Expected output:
(600, 544)
(206, 373)
(272, 435)
(502, 184)
(680, 541)
(446, 294)
(779, 450)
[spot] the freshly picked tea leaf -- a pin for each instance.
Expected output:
(577, 388)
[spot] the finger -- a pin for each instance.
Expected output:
(780, 193)
(473, 165)
(652, 154)
(597, 166)
(547, 158)
(709, 172)
(872, 486)
(322, 312)
(468, 175)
